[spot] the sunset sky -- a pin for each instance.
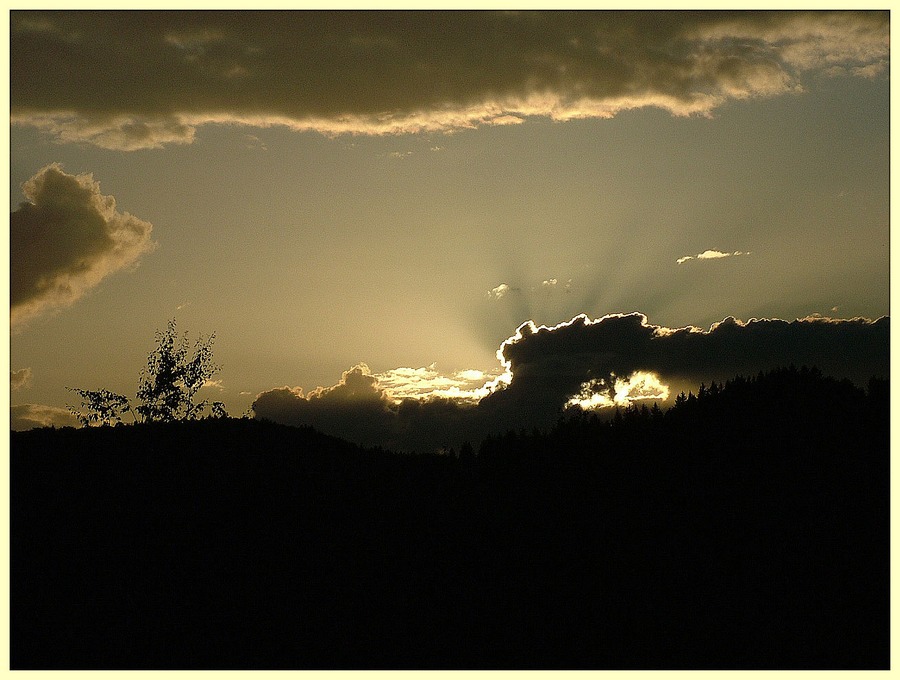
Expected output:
(405, 190)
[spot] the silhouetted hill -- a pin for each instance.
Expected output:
(746, 527)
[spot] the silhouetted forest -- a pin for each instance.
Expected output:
(746, 527)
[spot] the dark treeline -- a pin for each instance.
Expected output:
(747, 527)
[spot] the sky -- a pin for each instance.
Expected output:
(369, 209)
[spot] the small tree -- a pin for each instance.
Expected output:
(169, 384)
(167, 388)
(101, 407)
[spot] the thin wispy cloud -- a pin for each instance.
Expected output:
(254, 143)
(153, 82)
(546, 286)
(428, 382)
(19, 379)
(552, 284)
(29, 416)
(710, 255)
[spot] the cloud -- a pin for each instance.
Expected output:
(128, 80)
(356, 407)
(555, 284)
(548, 366)
(601, 393)
(505, 120)
(402, 408)
(427, 383)
(30, 416)
(595, 363)
(254, 143)
(501, 291)
(710, 255)
(65, 239)
(19, 379)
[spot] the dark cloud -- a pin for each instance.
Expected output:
(30, 416)
(548, 366)
(356, 407)
(129, 80)
(65, 239)
(360, 409)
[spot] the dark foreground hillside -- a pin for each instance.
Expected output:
(747, 528)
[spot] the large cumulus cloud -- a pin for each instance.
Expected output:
(136, 80)
(355, 406)
(361, 408)
(65, 239)
(547, 366)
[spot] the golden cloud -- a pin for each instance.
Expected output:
(128, 80)
(65, 239)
